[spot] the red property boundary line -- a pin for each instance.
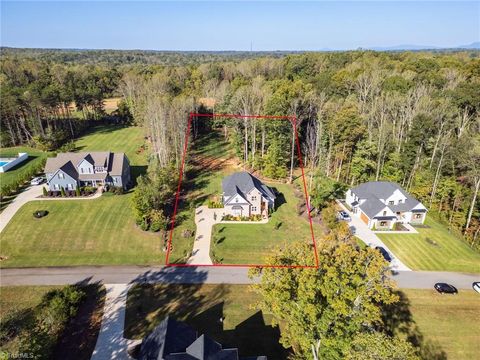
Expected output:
(293, 120)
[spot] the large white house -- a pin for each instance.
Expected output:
(245, 195)
(381, 204)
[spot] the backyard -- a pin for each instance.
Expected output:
(85, 232)
(433, 248)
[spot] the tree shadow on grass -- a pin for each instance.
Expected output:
(203, 310)
(398, 320)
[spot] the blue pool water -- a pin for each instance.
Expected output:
(3, 163)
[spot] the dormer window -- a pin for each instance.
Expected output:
(236, 200)
(384, 213)
(391, 202)
(400, 201)
(61, 175)
(254, 198)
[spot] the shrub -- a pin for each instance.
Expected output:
(44, 189)
(40, 213)
(77, 191)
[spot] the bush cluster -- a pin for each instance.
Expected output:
(229, 217)
(214, 205)
(39, 331)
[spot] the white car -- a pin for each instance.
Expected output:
(476, 286)
(37, 181)
(343, 215)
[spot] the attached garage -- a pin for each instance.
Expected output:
(364, 218)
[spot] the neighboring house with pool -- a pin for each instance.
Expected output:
(245, 195)
(6, 163)
(69, 170)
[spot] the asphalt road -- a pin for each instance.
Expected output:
(194, 275)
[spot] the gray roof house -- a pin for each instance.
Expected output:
(381, 204)
(245, 195)
(175, 340)
(69, 170)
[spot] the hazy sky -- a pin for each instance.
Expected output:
(235, 25)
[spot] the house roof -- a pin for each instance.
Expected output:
(373, 191)
(242, 183)
(174, 340)
(113, 161)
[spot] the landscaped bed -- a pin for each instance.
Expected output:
(433, 248)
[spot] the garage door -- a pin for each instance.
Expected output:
(364, 218)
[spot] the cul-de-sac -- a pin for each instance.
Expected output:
(239, 180)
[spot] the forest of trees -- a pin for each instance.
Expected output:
(409, 117)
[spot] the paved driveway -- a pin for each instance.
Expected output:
(204, 219)
(25, 196)
(371, 239)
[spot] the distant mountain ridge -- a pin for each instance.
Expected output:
(475, 46)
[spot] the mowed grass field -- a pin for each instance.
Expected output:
(449, 321)
(252, 243)
(85, 232)
(449, 253)
(201, 306)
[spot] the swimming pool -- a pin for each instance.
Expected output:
(7, 163)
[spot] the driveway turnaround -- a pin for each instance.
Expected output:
(362, 231)
(30, 194)
(194, 275)
(110, 342)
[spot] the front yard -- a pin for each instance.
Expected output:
(433, 248)
(85, 232)
(251, 243)
(202, 306)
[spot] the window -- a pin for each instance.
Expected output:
(383, 223)
(115, 180)
(81, 170)
(236, 200)
(254, 208)
(254, 198)
(89, 170)
(384, 213)
(391, 202)
(61, 175)
(400, 201)
(418, 216)
(56, 187)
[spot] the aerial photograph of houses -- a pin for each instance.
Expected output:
(239, 180)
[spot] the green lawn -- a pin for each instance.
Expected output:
(449, 253)
(82, 232)
(201, 182)
(19, 300)
(251, 243)
(201, 306)
(449, 321)
(85, 232)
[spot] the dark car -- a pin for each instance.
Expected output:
(444, 288)
(384, 253)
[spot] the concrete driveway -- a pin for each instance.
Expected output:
(29, 194)
(362, 231)
(204, 219)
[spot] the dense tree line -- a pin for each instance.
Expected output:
(412, 118)
(409, 117)
(45, 103)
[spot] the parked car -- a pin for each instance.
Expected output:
(476, 286)
(343, 215)
(444, 288)
(384, 253)
(37, 181)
